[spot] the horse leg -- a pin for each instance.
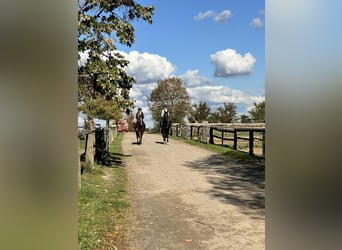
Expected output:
(137, 134)
(162, 132)
(164, 137)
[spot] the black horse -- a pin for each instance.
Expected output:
(165, 127)
(139, 130)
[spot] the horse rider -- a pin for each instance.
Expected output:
(163, 111)
(138, 115)
(164, 124)
(162, 114)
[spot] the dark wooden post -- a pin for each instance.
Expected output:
(191, 129)
(251, 142)
(211, 135)
(235, 140)
(222, 134)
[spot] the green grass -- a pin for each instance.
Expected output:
(224, 150)
(103, 204)
(82, 143)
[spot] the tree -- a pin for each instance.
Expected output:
(214, 117)
(102, 75)
(225, 114)
(173, 94)
(245, 119)
(258, 112)
(199, 112)
(102, 109)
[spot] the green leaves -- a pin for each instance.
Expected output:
(101, 24)
(172, 93)
(258, 112)
(225, 114)
(199, 112)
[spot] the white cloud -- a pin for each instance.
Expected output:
(256, 23)
(256, 99)
(83, 58)
(139, 94)
(202, 16)
(224, 15)
(215, 96)
(141, 91)
(228, 63)
(191, 78)
(146, 67)
(218, 94)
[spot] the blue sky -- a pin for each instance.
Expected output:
(216, 46)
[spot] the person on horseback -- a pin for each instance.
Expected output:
(139, 116)
(163, 111)
(165, 124)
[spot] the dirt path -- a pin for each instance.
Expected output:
(185, 197)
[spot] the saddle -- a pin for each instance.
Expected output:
(140, 123)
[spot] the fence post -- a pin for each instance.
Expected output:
(211, 136)
(222, 134)
(191, 129)
(102, 144)
(110, 135)
(90, 149)
(251, 142)
(235, 140)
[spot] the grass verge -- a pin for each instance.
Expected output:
(224, 150)
(103, 203)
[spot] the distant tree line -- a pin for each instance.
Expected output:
(172, 93)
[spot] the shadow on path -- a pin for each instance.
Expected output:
(159, 142)
(235, 182)
(115, 160)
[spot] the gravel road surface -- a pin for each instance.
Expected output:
(185, 197)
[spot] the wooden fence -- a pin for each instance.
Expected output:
(94, 146)
(225, 134)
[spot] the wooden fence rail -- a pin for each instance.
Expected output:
(96, 144)
(206, 133)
